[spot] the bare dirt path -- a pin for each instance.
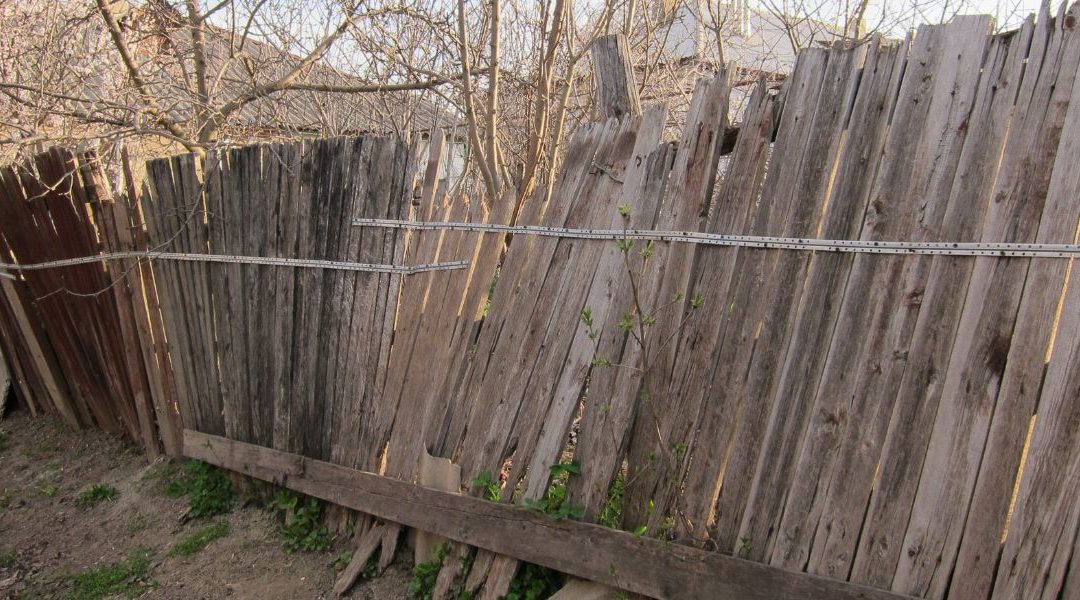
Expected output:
(47, 541)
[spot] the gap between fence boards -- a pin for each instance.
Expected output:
(615, 558)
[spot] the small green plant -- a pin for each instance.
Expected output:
(128, 578)
(209, 490)
(7, 496)
(534, 582)
(555, 502)
(611, 513)
(48, 490)
(303, 528)
(341, 561)
(96, 494)
(370, 570)
(424, 575)
(490, 486)
(3, 441)
(8, 559)
(200, 539)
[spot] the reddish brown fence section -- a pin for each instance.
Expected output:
(82, 339)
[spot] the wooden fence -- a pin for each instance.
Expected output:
(902, 422)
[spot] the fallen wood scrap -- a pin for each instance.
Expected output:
(608, 556)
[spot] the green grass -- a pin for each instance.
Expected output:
(96, 494)
(7, 559)
(128, 578)
(48, 490)
(200, 539)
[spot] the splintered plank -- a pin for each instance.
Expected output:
(595, 271)
(527, 384)
(150, 325)
(464, 318)
(489, 381)
(156, 187)
(607, 416)
(423, 247)
(522, 324)
(115, 228)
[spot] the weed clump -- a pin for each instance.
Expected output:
(209, 490)
(303, 528)
(534, 582)
(96, 494)
(425, 574)
(555, 502)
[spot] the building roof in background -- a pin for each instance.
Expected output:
(237, 65)
(755, 39)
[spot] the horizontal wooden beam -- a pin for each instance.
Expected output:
(615, 558)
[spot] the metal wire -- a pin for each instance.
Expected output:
(750, 241)
(224, 258)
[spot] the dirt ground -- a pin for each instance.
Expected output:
(46, 540)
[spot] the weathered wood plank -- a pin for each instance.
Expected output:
(616, 90)
(615, 558)
(944, 332)
(741, 323)
(808, 188)
(937, 161)
(733, 205)
(656, 426)
(825, 287)
(1014, 300)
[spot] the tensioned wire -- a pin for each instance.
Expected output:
(1022, 250)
